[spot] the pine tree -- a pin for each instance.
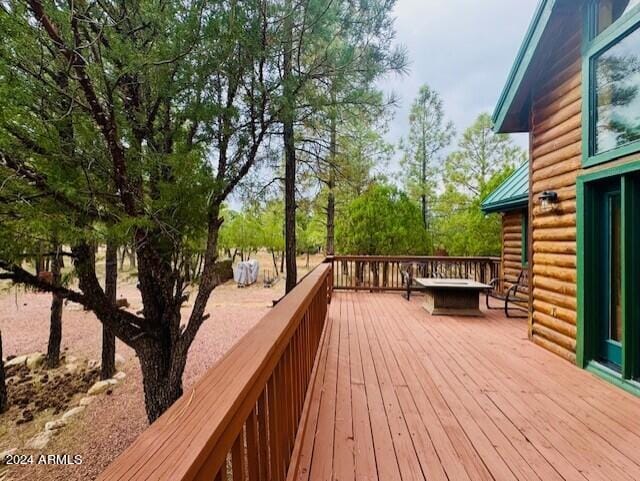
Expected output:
(428, 135)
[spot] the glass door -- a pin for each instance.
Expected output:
(608, 249)
(611, 285)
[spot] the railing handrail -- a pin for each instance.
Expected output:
(351, 257)
(390, 272)
(194, 436)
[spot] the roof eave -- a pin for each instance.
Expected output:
(519, 69)
(515, 203)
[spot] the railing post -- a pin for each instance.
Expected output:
(330, 284)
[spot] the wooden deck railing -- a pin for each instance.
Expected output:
(382, 273)
(240, 420)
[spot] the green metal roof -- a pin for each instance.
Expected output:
(512, 194)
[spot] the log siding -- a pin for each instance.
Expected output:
(556, 153)
(511, 254)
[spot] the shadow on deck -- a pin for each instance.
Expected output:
(401, 395)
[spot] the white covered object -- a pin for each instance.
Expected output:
(246, 273)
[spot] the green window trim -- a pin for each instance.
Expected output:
(593, 46)
(588, 280)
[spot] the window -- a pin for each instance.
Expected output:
(617, 92)
(612, 88)
(608, 11)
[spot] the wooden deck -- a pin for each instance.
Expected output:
(400, 395)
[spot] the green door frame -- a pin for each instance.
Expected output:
(587, 347)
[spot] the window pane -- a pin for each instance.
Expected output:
(611, 10)
(615, 274)
(618, 94)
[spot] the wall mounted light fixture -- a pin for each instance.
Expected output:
(547, 199)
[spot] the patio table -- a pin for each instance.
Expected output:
(452, 297)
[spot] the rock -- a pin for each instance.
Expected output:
(71, 368)
(119, 376)
(39, 441)
(55, 425)
(92, 363)
(85, 401)
(16, 361)
(71, 359)
(119, 359)
(7, 452)
(73, 412)
(100, 387)
(35, 360)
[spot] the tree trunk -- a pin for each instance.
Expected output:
(108, 366)
(289, 154)
(290, 208)
(55, 324)
(131, 253)
(331, 213)
(122, 257)
(162, 369)
(423, 200)
(275, 261)
(3, 385)
(331, 200)
(39, 262)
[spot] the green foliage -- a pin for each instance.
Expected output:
(241, 231)
(383, 220)
(310, 229)
(481, 154)
(262, 227)
(272, 227)
(167, 84)
(480, 163)
(461, 228)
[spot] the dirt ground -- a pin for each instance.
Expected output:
(112, 422)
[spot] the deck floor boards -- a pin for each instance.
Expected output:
(402, 395)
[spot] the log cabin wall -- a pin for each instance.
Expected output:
(555, 163)
(511, 247)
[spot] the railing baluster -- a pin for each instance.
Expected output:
(253, 449)
(380, 273)
(263, 439)
(274, 432)
(237, 458)
(222, 473)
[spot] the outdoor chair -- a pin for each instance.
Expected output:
(407, 273)
(513, 298)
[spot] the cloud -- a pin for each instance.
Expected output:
(462, 48)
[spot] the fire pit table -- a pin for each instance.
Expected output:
(452, 297)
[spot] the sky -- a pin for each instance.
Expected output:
(464, 49)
